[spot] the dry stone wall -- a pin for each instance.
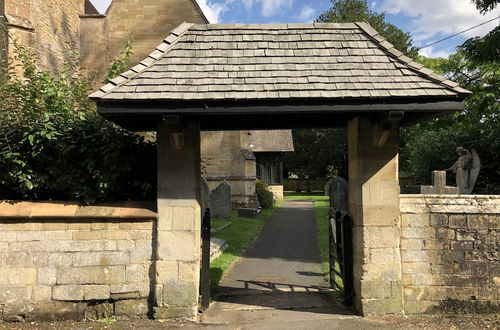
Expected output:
(74, 268)
(450, 253)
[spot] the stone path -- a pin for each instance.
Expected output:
(279, 278)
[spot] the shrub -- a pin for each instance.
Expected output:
(53, 145)
(264, 196)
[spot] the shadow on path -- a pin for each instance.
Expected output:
(279, 273)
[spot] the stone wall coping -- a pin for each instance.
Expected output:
(144, 210)
(459, 204)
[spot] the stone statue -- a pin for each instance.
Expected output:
(467, 169)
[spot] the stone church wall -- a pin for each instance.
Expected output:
(145, 25)
(450, 253)
(50, 29)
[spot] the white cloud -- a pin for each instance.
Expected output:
(273, 7)
(431, 17)
(431, 52)
(268, 7)
(213, 10)
(306, 14)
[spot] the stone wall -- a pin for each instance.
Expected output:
(68, 262)
(225, 158)
(51, 29)
(450, 253)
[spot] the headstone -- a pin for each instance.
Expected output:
(327, 187)
(338, 194)
(220, 202)
(205, 195)
(439, 186)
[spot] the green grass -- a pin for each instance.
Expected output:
(239, 236)
(321, 213)
(218, 223)
(315, 196)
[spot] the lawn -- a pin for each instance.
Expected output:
(239, 236)
(314, 196)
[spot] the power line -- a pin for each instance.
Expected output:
(456, 34)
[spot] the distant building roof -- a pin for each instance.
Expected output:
(271, 141)
(90, 8)
(277, 61)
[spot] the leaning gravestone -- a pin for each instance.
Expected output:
(220, 203)
(338, 194)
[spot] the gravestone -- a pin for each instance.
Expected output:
(439, 186)
(337, 191)
(327, 187)
(205, 196)
(220, 202)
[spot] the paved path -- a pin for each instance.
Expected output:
(279, 278)
(285, 254)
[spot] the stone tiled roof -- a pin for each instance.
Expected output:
(276, 61)
(271, 141)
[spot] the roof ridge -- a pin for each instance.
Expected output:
(398, 55)
(152, 58)
(276, 26)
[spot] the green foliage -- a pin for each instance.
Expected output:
(265, 197)
(483, 49)
(319, 153)
(347, 11)
(431, 145)
(120, 63)
(485, 6)
(53, 145)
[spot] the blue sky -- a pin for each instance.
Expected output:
(426, 20)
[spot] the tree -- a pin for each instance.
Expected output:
(319, 153)
(431, 145)
(487, 48)
(345, 11)
(485, 6)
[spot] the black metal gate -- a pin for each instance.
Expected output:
(205, 260)
(341, 254)
(340, 239)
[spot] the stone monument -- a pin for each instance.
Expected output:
(466, 169)
(439, 186)
(220, 203)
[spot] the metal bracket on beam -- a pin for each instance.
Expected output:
(382, 130)
(176, 129)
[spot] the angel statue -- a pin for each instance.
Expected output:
(467, 169)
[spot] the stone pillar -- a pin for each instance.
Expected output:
(374, 207)
(179, 224)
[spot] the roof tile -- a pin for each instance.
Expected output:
(320, 60)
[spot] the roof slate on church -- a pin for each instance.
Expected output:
(276, 61)
(279, 140)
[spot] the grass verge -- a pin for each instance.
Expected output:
(239, 236)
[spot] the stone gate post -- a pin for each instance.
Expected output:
(374, 207)
(178, 239)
